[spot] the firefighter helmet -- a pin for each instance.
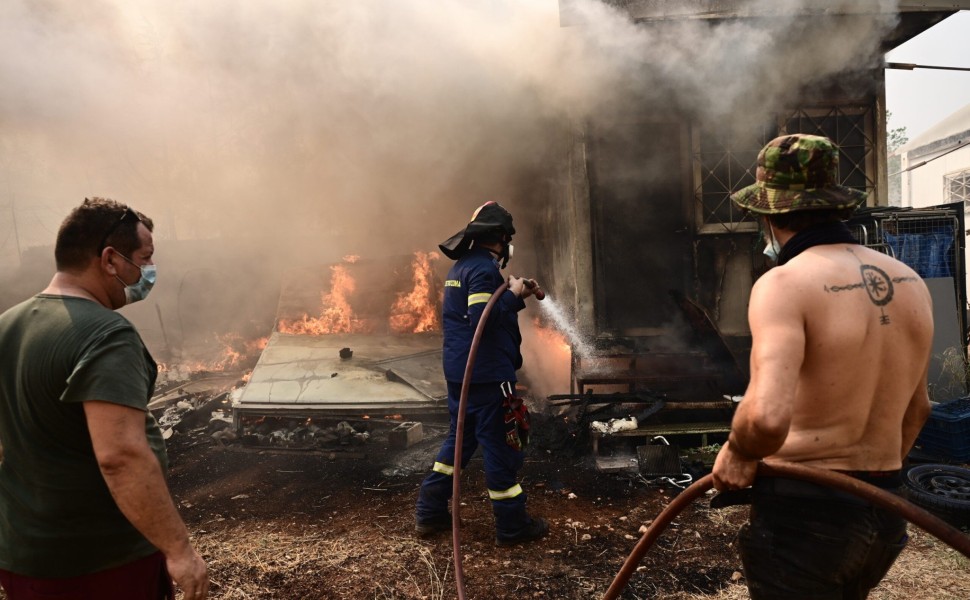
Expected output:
(488, 219)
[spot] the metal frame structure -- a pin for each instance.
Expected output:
(882, 229)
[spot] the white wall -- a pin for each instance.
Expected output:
(930, 162)
(923, 185)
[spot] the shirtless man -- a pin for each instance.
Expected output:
(841, 340)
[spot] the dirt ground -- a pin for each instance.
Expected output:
(338, 524)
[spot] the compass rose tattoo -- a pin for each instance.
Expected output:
(877, 284)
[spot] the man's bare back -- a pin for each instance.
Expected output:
(840, 345)
(866, 320)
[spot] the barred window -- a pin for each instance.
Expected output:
(956, 186)
(724, 159)
(853, 131)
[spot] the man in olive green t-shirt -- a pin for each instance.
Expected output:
(84, 507)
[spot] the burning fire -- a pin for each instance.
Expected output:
(412, 312)
(337, 315)
(551, 339)
(548, 359)
(416, 311)
(235, 352)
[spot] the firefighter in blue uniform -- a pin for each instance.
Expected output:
(480, 251)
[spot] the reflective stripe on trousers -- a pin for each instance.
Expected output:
(443, 468)
(512, 492)
(484, 427)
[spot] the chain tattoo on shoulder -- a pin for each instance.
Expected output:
(877, 284)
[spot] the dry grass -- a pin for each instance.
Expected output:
(254, 561)
(927, 568)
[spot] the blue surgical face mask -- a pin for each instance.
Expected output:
(138, 290)
(772, 247)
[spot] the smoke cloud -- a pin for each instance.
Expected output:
(314, 128)
(302, 117)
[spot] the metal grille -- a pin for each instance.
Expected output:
(925, 239)
(931, 241)
(956, 186)
(851, 128)
(725, 160)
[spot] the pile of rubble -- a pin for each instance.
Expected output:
(202, 407)
(296, 433)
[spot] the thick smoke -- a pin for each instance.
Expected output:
(302, 117)
(307, 129)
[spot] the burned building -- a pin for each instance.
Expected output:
(645, 251)
(637, 241)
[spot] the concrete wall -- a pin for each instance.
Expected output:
(566, 237)
(924, 185)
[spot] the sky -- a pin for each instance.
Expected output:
(919, 99)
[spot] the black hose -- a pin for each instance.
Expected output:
(921, 518)
(459, 436)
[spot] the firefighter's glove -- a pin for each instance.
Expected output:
(516, 418)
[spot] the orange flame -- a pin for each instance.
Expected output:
(416, 311)
(236, 353)
(336, 316)
(552, 339)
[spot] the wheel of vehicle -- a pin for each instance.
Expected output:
(944, 490)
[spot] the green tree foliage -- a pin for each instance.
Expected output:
(895, 137)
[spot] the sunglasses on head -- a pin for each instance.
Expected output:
(128, 215)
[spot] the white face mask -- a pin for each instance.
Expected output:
(772, 247)
(503, 257)
(139, 290)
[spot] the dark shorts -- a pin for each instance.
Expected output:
(806, 542)
(144, 579)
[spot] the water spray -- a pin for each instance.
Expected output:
(577, 342)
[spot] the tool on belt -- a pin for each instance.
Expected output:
(516, 418)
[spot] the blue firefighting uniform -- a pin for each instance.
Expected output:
(468, 287)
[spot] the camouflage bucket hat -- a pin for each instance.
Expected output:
(797, 172)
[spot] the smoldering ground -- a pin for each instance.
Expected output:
(302, 130)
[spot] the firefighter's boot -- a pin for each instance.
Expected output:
(535, 530)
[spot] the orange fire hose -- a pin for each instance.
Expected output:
(459, 436)
(921, 518)
(460, 431)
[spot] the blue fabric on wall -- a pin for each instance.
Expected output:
(926, 253)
